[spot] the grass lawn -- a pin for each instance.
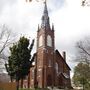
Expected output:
(28, 89)
(34, 89)
(25, 89)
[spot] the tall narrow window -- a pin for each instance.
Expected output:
(39, 63)
(49, 41)
(49, 63)
(40, 41)
(32, 74)
(56, 66)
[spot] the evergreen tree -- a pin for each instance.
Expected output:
(19, 62)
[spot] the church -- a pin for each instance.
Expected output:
(51, 68)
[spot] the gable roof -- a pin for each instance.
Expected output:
(57, 52)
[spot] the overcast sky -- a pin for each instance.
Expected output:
(71, 21)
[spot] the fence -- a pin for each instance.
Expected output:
(8, 86)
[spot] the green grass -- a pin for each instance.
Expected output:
(26, 89)
(34, 89)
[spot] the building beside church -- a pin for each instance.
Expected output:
(50, 67)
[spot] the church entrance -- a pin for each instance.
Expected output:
(49, 80)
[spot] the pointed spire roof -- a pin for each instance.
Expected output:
(45, 17)
(45, 8)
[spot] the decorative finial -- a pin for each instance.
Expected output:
(52, 26)
(38, 27)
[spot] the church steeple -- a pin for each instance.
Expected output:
(45, 18)
(45, 51)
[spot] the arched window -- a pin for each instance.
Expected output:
(49, 41)
(32, 74)
(56, 67)
(40, 41)
(49, 63)
(39, 63)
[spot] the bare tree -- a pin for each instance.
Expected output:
(82, 70)
(83, 50)
(6, 39)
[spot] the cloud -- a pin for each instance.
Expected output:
(55, 5)
(4, 3)
(71, 23)
(70, 19)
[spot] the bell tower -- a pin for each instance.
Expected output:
(45, 51)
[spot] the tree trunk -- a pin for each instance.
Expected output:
(11, 78)
(83, 83)
(29, 80)
(17, 83)
(22, 83)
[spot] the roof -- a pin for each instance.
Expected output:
(57, 52)
(64, 75)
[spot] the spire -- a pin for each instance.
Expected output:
(45, 17)
(45, 9)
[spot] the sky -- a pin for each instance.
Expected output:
(70, 19)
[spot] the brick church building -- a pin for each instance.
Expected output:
(50, 67)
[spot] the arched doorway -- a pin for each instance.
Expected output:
(49, 80)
